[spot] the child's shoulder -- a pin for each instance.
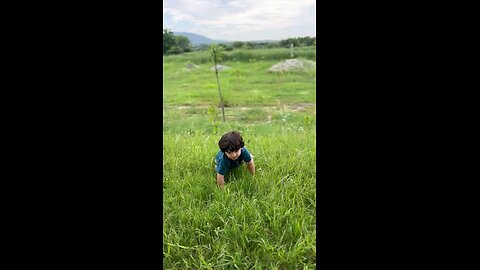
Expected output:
(245, 150)
(219, 154)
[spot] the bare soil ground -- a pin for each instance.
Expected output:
(219, 68)
(292, 65)
(269, 109)
(289, 107)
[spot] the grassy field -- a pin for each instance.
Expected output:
(266, 221)
(246, 55)
(245, 83)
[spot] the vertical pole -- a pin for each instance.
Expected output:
(218, 83)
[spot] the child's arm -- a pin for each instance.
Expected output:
(251, 166)
(220, 180)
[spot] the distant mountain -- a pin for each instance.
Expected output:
(262, 41)
(198, 39)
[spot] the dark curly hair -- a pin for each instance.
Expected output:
(231, 141)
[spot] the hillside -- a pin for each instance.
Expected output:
(198, 39)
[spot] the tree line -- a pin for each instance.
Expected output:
(179, 44)
(175, 44)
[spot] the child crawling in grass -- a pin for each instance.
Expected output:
(232, 154)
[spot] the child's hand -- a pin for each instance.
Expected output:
(220, 180)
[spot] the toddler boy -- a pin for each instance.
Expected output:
(232, 154)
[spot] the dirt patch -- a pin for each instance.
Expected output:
(286, 107)
(190, 66)
(220, 68)
(292, 65)
(301, 106)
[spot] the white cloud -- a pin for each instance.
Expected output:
(231, 19)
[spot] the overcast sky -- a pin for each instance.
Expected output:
(241, 20)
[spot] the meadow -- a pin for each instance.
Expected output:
(265, 221)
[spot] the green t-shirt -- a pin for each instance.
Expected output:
(223, 164)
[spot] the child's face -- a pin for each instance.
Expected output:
(234, 154)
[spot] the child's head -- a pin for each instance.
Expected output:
(231, 141)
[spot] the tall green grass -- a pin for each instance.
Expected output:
(246, 55)
(265, 120)
(244, 84)
(266, 221)
(261, 222)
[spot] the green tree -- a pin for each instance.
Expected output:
(308, 41)
(237, 44)
(183, 43)
(168, 40)
(273, 45)
(251, 45)
(286, 42)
